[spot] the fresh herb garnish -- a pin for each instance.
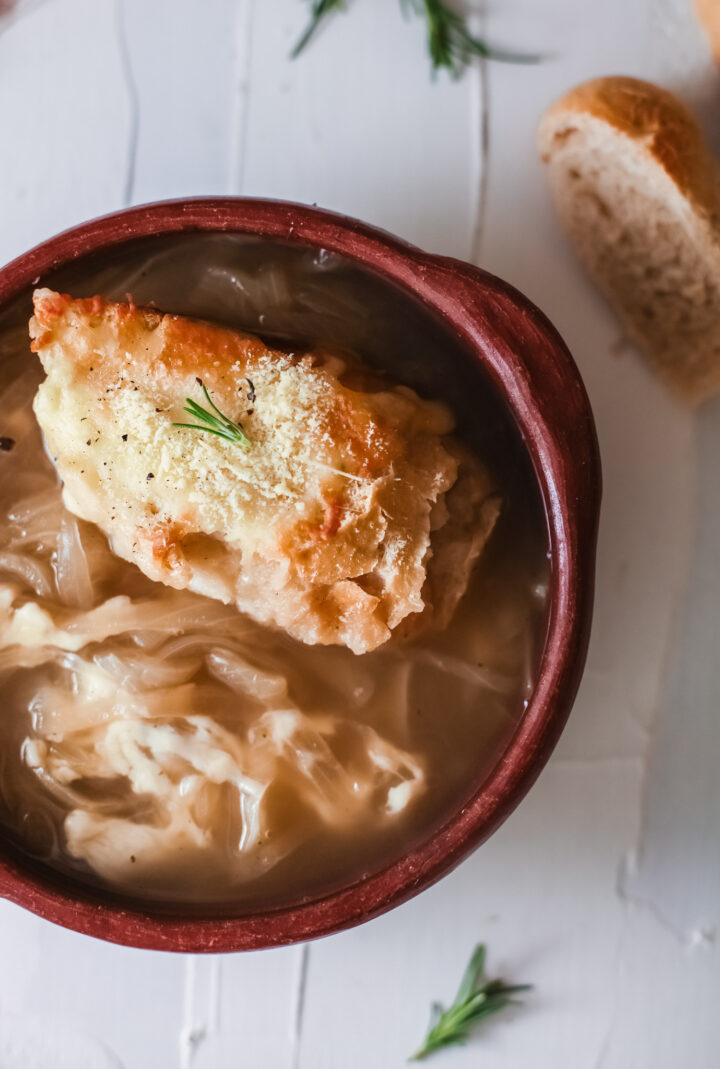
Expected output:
(476, 999)
(215, 422)
(318, 11)
(451, 45)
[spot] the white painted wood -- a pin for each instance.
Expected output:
(64, 119)
(682, 802)
(603, 887)
(113, 1003)
(28, 1043)
(248, 1013)
(357, 125)
(181, 70)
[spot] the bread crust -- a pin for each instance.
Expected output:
(669, 297)
(326, 526)
(647, 114)
(708, 12)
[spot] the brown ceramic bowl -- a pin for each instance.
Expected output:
(536, 379)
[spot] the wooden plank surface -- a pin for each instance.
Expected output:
(64, 119)
(357, 125)
(603, 888)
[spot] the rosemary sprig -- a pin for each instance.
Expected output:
(215, 422)
(318, 12)
(477, 998)
(450, 43)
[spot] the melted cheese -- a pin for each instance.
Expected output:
(326, 525)
(158, 745)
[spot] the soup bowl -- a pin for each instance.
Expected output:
(540, 392)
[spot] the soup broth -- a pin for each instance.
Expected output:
(162, 745)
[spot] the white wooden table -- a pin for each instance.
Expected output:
(604, 887)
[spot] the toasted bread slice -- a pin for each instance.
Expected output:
(327, 522)
(637, 189)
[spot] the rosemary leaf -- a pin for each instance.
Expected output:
(319, 11)
(477, 999)
(215, 422)
(451, 45)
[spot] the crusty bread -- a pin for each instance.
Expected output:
(708, 11)
(637, 188)
(352, 511)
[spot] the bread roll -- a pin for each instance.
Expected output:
(708, 11)
(637, 189)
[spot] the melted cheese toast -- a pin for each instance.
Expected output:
(352, 513)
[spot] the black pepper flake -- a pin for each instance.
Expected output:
(124, 437)
(88, 442)
(150, 475)
(6, 444)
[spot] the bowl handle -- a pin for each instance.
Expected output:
(538, 379)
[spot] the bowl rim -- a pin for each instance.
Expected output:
(540, 384)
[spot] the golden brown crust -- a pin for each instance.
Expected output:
(322, 525)
(647, 114)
